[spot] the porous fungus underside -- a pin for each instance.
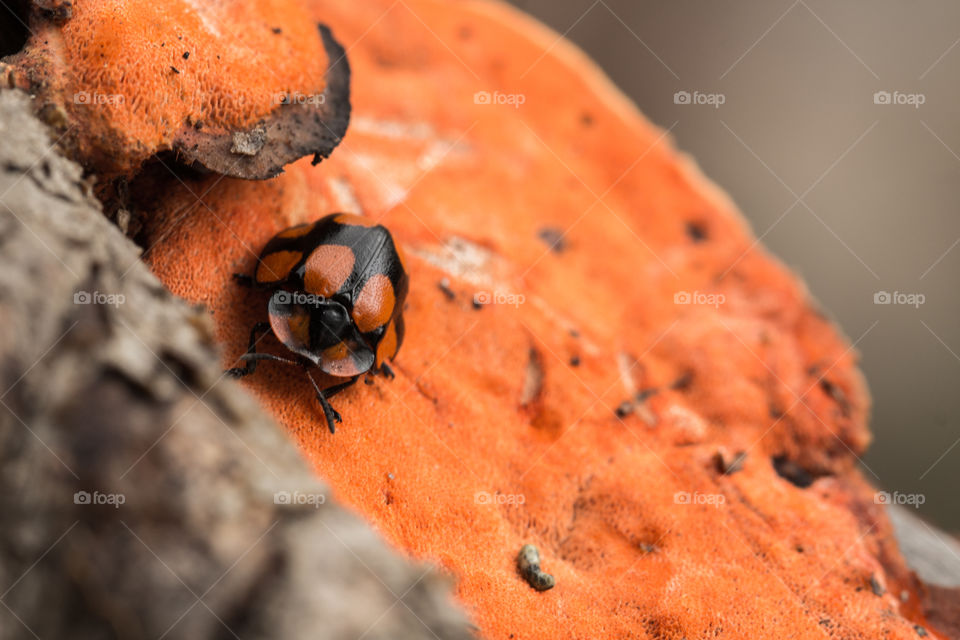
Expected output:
(501, 427)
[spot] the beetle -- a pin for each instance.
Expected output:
(338, 288)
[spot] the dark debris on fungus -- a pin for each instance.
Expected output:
(528, 564)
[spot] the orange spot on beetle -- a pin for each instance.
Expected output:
(276, 266)
(327, 268)
(374, 306)
(338, 351)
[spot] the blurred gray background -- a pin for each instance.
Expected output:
(880, 183)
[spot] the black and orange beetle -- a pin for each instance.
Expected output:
(338, 290)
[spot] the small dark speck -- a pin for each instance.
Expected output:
(876, 587)
(186, 55)
(643, 394)
(792, 472)
(574, 333)
(837, 394)
(198, 125)
(553, 238)
(277, 30)
(683, 382)
(163, 44)
(444, 286)
(920, 631)
(729, 465)
(465, 33)
(624, 409)
(575, 361)
(174, 69)
(586, 119)
(696, 231)
(476, 304)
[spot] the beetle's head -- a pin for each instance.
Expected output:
(321, 330)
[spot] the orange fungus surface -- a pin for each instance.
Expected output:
(126, 79)
(591, 396)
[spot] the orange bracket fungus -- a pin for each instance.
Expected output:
(611, 369)
(240, 88)
(724, 501)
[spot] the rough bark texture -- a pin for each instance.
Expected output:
(110, 391)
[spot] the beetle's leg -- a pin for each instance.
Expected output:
(322, 395)
(243, 280)
(367, 379)
(387, 371)
(329, 412)
(251, 365)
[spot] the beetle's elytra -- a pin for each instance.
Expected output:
(338, 285)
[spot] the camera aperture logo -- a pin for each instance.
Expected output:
(299, 498)
(696, 297)
(899, 98)
(484, 497)
(497, 98)
(98, 297)
(96, 498)
(714, 500)
(699, 98)
(904, 499)
(899, 297)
